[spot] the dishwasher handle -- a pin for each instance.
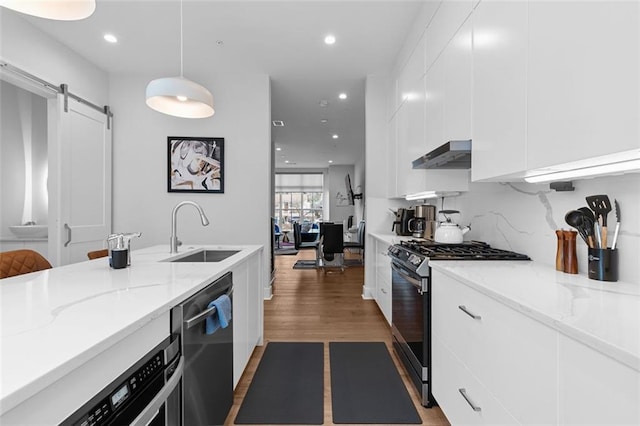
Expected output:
(152, 408)
(203, 315)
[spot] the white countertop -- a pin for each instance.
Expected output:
(603, 315)
(53, 321)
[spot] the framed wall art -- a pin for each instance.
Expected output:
(195, 164)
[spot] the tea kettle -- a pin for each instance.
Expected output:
(448, 231)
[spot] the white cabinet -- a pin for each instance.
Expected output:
(410, 143)
(511, 355)
(383, 279)
(595, 389)
(392, 157)
(448, 18)
(247, 312)
(457, 58)
(463, 399)
(583, 80)
(434, 99)
(499, 89)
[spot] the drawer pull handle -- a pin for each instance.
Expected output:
(472, 315)
(463, 392)
(383, 290)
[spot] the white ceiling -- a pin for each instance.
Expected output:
(283, 39)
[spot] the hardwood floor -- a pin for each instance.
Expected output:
(314, 306)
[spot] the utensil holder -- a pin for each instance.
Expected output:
(603, 264)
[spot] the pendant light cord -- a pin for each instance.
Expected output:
(181, 43)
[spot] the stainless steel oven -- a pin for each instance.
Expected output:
(411, 329)
(148, 393)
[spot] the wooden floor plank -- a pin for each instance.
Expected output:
(317, 306)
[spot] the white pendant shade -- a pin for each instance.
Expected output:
(61, 10)
(180, 97)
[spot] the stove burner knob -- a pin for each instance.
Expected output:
(415, 260)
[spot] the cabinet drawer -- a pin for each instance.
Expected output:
(514, 356)
(449, 377)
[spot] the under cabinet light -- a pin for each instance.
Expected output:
(627, 161)
(429, 194)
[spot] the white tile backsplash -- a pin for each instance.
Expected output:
(523, 217)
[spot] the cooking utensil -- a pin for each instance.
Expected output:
(575, 219)
(615, 233)
(589, 220)
(601, 206)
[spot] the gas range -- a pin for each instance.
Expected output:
(415, 254)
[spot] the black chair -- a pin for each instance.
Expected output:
(300, 245)
(332, 246)
(359, 243)
(276, 234)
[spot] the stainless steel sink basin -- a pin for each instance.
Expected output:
(205, 256)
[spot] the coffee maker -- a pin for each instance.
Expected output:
(401, 222)
(423, 224)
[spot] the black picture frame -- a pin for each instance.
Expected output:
(195, 164)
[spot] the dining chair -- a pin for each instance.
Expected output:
(98, 254)
(359, 243)
(332, 246)
(300, 245)
(23, 261)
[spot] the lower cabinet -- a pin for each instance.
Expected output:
(511, 354)
(595, 389)
(247, 312)
(383, 279)
(495, 365)
(464, 400)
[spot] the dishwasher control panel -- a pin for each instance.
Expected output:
(109, 408)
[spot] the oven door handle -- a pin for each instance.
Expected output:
(149, 412)
(416, 283)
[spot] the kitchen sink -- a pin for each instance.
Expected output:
(204, 256)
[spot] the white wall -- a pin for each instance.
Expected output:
(336, 186)
(28, 48)
(141, 202)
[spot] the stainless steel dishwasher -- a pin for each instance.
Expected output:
(208, 372)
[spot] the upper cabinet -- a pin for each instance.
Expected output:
(499, 89)
(583, 84)
(434, 98)
(457, 59)
(553, 82)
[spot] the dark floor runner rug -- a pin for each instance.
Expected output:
(305, 264)
(288, 251)
(287, 387)
(366, 386)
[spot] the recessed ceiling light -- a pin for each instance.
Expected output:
(342, 96)
(330, 161)
(110, 38)
(324, 121)
(286, 161)
(335, 136)
(278, 149)
(323, 103)
(330, 39)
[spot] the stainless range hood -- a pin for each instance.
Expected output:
(451, 155)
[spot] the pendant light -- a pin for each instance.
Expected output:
(61, 10)
(179, 96)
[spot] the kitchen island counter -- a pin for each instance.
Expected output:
(602, 315)
(56, 321)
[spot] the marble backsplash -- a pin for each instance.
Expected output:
(523, 217)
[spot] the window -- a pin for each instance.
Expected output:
(298, 198)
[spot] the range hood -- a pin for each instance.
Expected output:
(451, 155)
